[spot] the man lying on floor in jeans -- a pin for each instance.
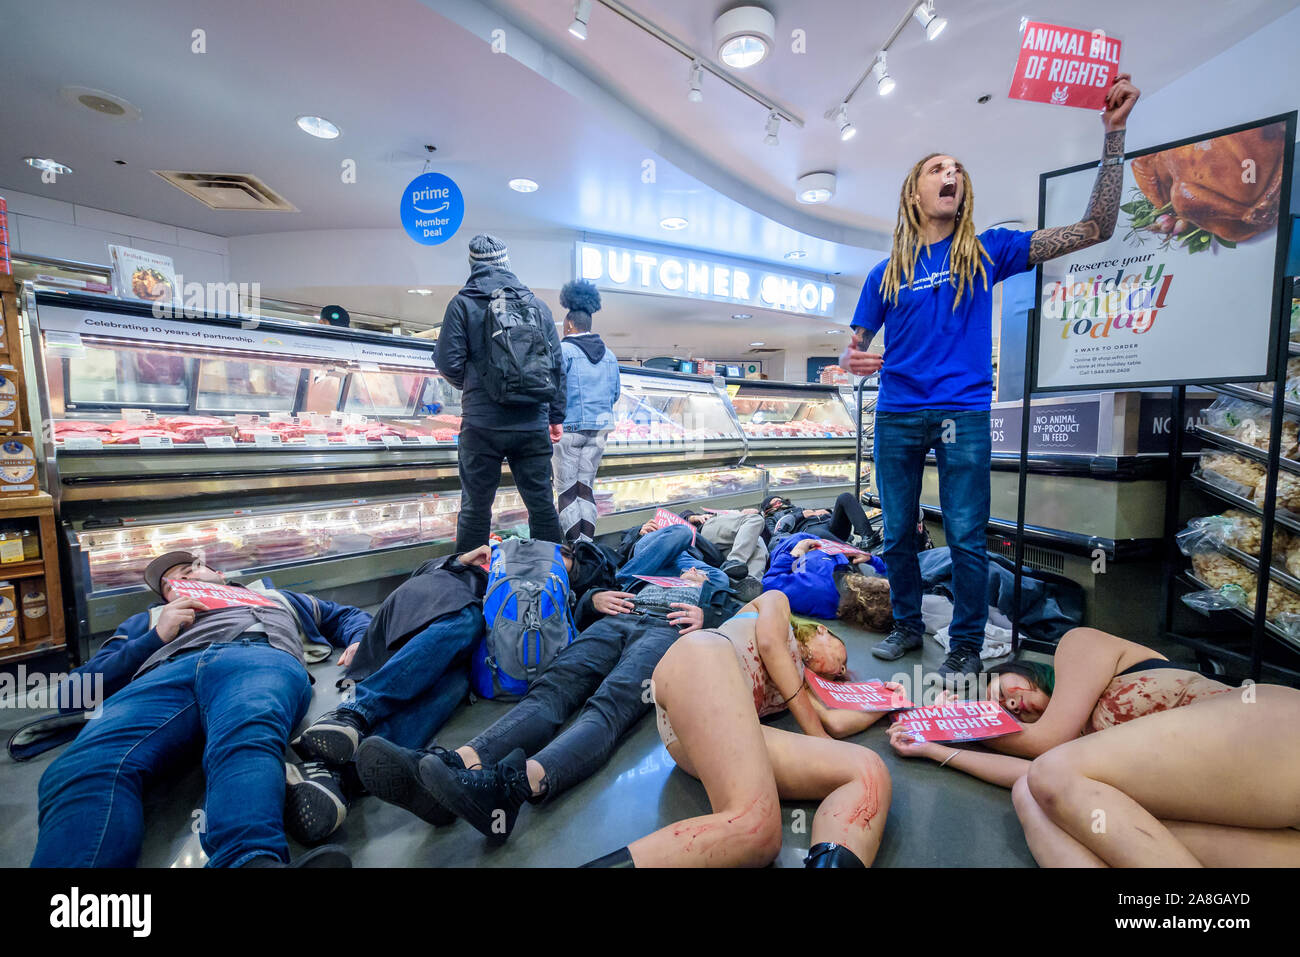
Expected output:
(181, 678)
(785, 518)
(406, 677)
(669, 551)
(524, 756)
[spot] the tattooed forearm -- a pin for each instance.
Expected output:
(1098, 222)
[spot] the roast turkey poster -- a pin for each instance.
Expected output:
(1184, 289)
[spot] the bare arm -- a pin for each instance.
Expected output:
(1000, 769)
(842, 723)
(1098, 221)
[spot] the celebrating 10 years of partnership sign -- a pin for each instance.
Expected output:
(1186, 288)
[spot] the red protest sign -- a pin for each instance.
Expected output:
(959, 721)
(663, 518)
(213, 595)
(1064, 66)
(838, 548)
(668, 581)
(855, 695)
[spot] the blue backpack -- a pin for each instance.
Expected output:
(529, 621)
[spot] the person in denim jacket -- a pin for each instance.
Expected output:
(591, 378)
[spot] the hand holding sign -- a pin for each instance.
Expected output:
(858, 695)
(1120, 99)
(177, 615)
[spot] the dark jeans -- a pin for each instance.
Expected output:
(902, 441)
(414, 693)
(608, 668)
(480, 453)
(663, 553)
(846, 518)
(240, 699)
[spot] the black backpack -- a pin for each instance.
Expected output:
(515, 362)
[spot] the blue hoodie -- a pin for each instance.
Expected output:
(808, 581)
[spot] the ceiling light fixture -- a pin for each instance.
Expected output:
(581, 16)
(47, 165)
(759, 343)
(522, 185)
(833, 332)
(420, 292)
(932, 24)
(318, 126)
(796, 254)
(815, 188)
(743, 36)
(773, 129)
(847, 129)
(884, 82)
(696, 94)
(742, 315)
(674, 222)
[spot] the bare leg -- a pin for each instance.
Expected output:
(700, 684)
(1218, 846)
(1232, 759)
(1050, 846)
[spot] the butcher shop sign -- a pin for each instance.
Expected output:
(1188, 288)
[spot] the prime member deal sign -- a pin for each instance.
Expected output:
(1064, 66)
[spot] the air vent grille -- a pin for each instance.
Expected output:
(1035, 557)
(241, 191)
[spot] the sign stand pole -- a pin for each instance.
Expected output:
(1026, 409)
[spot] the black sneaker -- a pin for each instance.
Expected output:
(488, 798)
(736, 571)
(331, 855)
(896, 644)
(315, 805)
(392, 774)
(333, 737)
(747, 589)
(960, 666)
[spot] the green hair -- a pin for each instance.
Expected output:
(1042, 675)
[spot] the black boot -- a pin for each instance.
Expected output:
(620, 858)
(827, 854)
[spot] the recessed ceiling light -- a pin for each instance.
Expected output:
(796, 254)
(318, 126)
(815, 188)
(106, 104)
(523, 185)
(743, 36)
(759, 343)
(47, 165)
(674, 222)
(420, 292)
(833, 332)
(742, 315)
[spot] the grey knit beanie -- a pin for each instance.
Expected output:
(488, 250)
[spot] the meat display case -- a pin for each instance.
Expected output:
(321, 457)
(788, 422)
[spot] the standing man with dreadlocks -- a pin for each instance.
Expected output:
(933, 297)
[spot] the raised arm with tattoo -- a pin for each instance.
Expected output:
(1103, 206)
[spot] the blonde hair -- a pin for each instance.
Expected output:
(806, 630)
(967, 253)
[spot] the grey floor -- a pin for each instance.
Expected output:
(938, 817)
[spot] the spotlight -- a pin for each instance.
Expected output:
(847, 129)
(773, 127)
(581, 15)
(884, 82)
(743, 36)
(46, 165)
(932, 25)
(815, 188)
(696, 79)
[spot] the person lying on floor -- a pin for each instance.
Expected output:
(667, 552)
(783, 517)
(813, 578)
(406, 677)
(180, 677)
(1183, 770)
(710, 691)
(739, 536)
(524, 756)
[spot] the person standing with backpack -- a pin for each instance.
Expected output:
(592, 380)
(498, 345)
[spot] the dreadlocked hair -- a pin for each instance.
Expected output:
(967, 255)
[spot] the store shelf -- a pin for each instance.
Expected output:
(24, 653)
(1245, 504)
(1241, 448)
(23, 569)
(1245, 614)
(25, 506)
(1278, 575)
(1250, 395)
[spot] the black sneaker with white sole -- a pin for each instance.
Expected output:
(333, 737)
(487, 798)
(896, 644)
(315, 805)
(331, 855)
(961, 666)
(392, 773)
(735, 570)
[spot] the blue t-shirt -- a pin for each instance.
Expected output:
(936, 358)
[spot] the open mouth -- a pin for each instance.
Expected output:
(947, 190)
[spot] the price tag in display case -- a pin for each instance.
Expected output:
(266, 438)
(355, 439)
(75, 443)
(316, 440)
(219, 441)
(155, 442)
(139, 416)
(391, 440)
(426, 440)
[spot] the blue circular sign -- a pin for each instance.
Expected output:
(432, 209)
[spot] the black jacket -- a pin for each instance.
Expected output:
(460, 346)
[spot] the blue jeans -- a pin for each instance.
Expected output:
(240, 699)
(417, 689)
(663, 552)
(962, 450)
